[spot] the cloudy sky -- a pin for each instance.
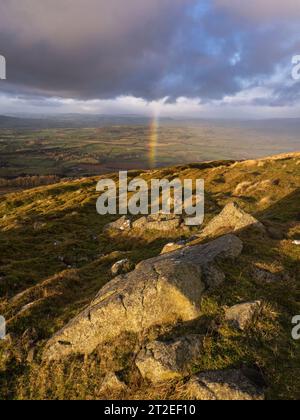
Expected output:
(181, 58)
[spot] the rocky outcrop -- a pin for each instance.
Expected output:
(228, 385)
(162, 361)
(240, 316)
(160, 291)
(159, 222)
(231, 219)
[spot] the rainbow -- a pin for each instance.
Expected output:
(153, 141)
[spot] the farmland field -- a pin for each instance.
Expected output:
(73, 152)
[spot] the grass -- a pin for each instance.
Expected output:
(55, 256)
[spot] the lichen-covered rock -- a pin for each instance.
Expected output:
(239, 316)
(228, 385)
(162, 361)
(231, 219)
(160, 291)
(121, 267)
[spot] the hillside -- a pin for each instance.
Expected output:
(55, 256)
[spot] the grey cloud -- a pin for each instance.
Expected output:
(89, 49)
(259, 10)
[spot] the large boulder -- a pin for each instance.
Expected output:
(231, 219)
(160, 291)
(162, 361)
(227, 385)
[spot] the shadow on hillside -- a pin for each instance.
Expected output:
(286, 209)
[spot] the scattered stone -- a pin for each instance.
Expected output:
(297, 242)
(160, 291)
(122, 224)
(265, 276)
(241, 315)
(231, 219)
(112, 383)
(227, 385)
(163, 361)
(121, 267)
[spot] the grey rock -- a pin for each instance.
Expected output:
(160, 291)
(163, 361)
(241, 315)
(159, 222)
(231, 219)
(228, 385)
(267, 277)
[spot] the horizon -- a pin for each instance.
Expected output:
(37, 115)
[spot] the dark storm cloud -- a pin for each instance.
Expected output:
(90, 49)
